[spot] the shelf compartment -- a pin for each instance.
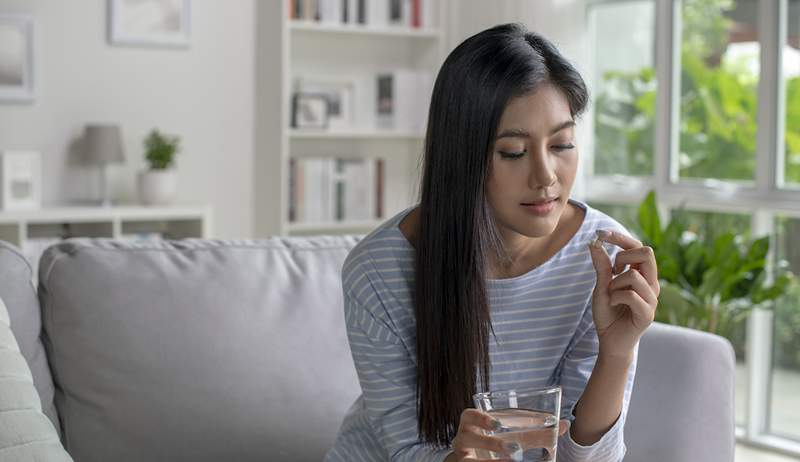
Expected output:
(168, 229)
(71, 228)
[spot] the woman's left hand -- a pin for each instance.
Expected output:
(623, 305)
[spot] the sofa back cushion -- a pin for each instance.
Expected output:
(201, 350)
(19, 295)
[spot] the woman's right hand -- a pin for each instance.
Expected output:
(471, 436)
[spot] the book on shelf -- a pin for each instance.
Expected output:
(335, 189)
(371, 13)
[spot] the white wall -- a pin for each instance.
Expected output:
(203, 93)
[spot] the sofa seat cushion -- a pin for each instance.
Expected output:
(201, 350)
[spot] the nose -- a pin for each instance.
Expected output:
(542, 169)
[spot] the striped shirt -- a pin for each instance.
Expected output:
(544, 330)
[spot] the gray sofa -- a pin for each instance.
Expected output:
(210, 350)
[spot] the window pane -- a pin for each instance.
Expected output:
(719, 80)
(785, 413)
(624, 87)
(707, 227)
(791, 72)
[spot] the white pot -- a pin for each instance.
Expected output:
(157, 187)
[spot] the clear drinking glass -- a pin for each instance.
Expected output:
(528, 416)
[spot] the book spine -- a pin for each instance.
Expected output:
(379, 182)
(415, 13)
(292, 190)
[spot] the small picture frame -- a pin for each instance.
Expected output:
(310, 110)
(340, 93)
(20, 180)
(156, 23)
(16, 58)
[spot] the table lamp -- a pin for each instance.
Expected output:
(103, 145)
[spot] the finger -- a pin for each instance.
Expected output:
(618, 238)
(640, 310)
(468, 440)
(476, 418)
(634, 280)
(563, 427)
(643, 257)
(601, 262)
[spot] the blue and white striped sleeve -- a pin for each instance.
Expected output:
(387, 375)
(577, 368)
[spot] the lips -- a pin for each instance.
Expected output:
(540, 201)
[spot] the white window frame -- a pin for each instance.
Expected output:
(764, 198)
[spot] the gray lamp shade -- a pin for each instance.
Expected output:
(103, 144)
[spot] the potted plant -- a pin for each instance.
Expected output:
(158, 184)
(710, 284)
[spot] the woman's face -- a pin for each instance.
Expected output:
(534, 160)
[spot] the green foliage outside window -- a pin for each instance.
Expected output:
(718, 108)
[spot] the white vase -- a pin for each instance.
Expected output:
(157, 186)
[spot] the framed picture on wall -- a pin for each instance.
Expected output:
(160, 23)
(16, 58)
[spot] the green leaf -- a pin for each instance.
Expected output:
(649, 220)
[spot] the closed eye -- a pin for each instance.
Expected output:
(511, 155)
(563, 147)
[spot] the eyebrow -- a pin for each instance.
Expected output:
(520, 133)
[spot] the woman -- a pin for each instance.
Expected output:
(495, 280)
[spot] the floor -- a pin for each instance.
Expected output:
(749, 454)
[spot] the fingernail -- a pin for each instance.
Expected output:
(602, 233)
(513, 447)
(496, 425)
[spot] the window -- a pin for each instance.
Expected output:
(791, 75)
(785, 406)
(692, 103)
(719, 82)
(624, 87)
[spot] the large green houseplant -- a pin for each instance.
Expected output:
(710, 284)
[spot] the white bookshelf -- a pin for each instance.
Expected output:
(35, 230)
(287, 48)
(176, 222)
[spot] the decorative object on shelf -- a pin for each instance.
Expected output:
(103, 146)
(16, 58)
(340, 93)
(164, 23)
(403, 96)
(21, 180)
(310, 111)
(158, 184)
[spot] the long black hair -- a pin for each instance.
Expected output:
(457, 234)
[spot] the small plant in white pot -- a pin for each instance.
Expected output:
(158, 184)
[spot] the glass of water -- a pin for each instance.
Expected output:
(528, 417)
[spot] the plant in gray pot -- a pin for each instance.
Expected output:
(158, 184)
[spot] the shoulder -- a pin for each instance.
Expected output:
(383, 251)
